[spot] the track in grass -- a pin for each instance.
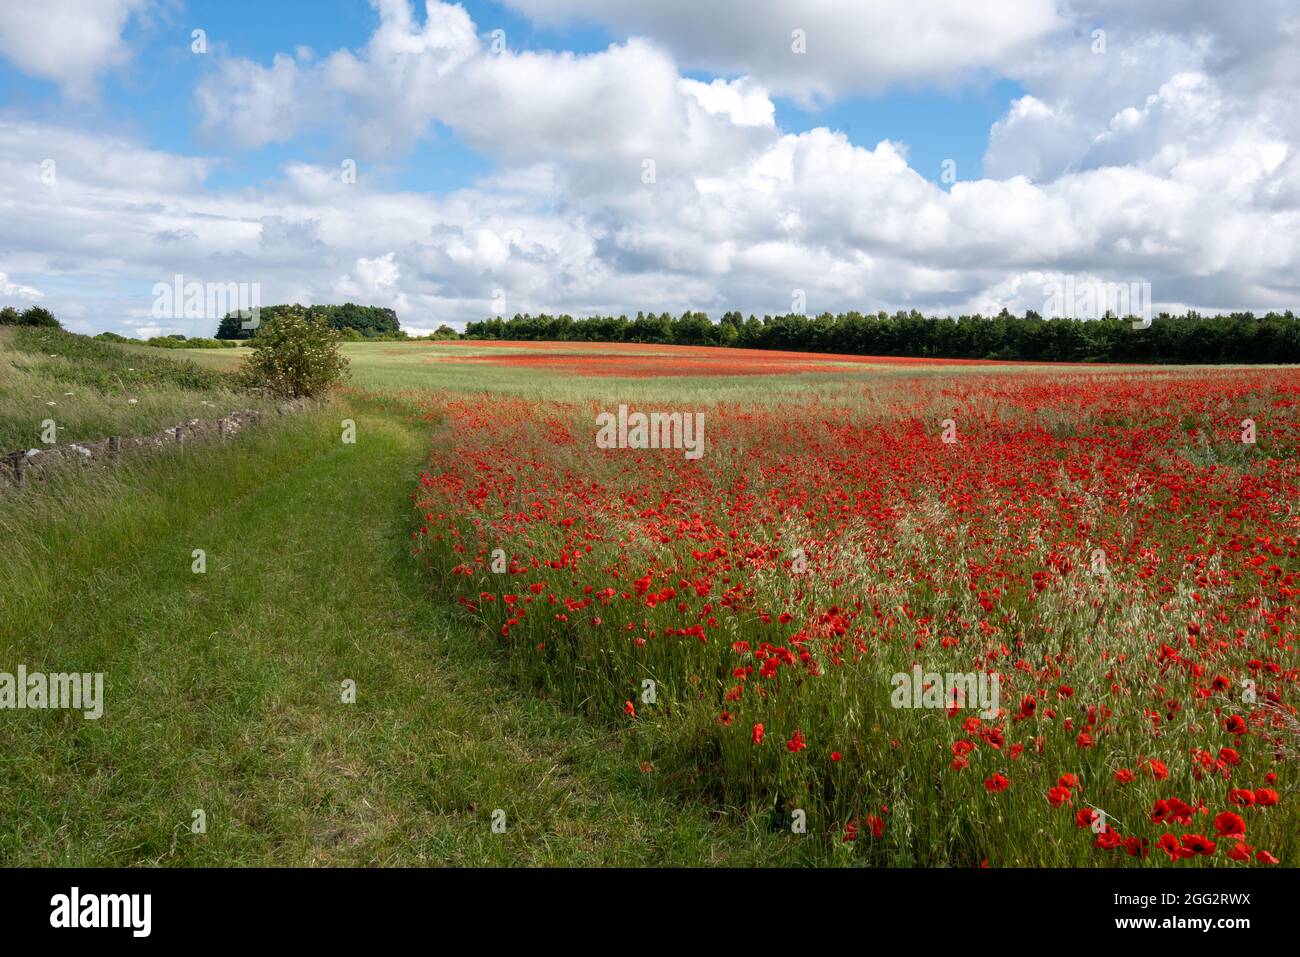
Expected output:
(223, 690)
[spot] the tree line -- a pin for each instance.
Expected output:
(1190, 337)
(350, 319)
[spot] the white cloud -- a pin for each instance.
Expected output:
(851, 46)
(374, 282)
(9, 289)
(1174, 162)
(70, 42)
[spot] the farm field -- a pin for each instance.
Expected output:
(645, 655)
(1117, 547)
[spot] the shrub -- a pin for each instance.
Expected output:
(180, 342)
(295, 354)
(37, 316)
(9, 316)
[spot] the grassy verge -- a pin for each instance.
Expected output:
(92, 389)
(223, 689)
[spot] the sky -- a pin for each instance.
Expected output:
(453, 161)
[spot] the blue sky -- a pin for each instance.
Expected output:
(1164, 154)
(153, 99)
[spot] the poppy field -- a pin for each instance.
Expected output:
(950, 616)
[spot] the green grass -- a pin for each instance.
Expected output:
(223, 689)
(92, 389)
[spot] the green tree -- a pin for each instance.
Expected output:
(295, 354)
(37, 316)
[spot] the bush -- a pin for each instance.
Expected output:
(295, 354)
(31, 316)
(38, 316)
(180, 342)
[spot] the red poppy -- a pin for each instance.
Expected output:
(1199, 844)
(1240, 851)
(1169, 844)
(796, 742)
(1058, 795)
(1228, 824)
(757, 734)
(996, 783)
(1171, 809)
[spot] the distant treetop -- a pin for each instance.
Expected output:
(367, 321)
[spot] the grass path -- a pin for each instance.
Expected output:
(223, 689)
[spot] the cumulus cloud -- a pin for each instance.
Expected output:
(9, 289)
(70, 42)
(375, 282)
(1171, 160)
(848, 46)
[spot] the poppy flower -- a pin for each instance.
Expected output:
(1169, 844)
(1264, 857)
(629, 709)
(1199, 844)
(1265, 797)
(1228, 824)
(1171, 809)
(1124, 776)
(1136, 846)
(1058, 795)
(996, 784)
(757, 734)
(1241, 797)
(1235, 724)
(796, 742)
(1240, 851)
(1108, 839)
